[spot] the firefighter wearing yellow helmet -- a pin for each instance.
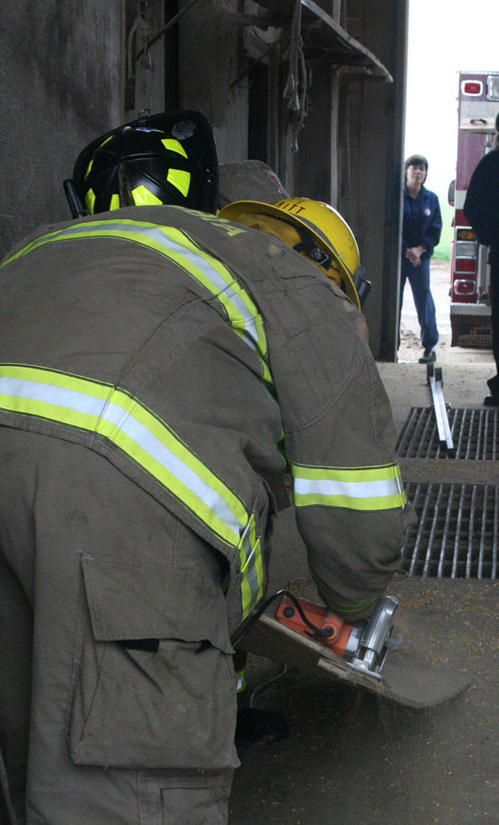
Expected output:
(321, 234)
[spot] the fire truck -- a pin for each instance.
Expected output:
(478, 105)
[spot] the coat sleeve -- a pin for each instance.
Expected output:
(477, 205)
(350, 504)
(432, 228)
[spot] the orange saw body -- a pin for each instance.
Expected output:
(363, 645)
(334, 632)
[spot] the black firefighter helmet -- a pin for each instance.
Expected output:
(156, 159)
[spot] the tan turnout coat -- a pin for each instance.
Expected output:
(160, 372)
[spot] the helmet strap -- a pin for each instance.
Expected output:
(362, 286)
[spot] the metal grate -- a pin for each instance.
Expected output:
(475, 433)
(456, 533)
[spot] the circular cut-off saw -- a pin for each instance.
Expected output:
(423, 670)
(363, 645)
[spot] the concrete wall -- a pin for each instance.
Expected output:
(211, 60)
(143, 65)
(60, 83)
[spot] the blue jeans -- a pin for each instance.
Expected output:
(419, 279)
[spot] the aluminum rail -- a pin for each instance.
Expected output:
(435, 380)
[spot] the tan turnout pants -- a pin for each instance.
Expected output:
(118, 695)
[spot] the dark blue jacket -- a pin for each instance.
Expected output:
(481, 206)
(422, 223)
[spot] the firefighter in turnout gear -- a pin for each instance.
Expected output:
(161, 369)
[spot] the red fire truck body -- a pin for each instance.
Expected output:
(478, 105)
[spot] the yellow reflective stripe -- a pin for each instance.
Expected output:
(65, 380)
(115, 202)
(120, 418)
(111, 137)
(89, 168)
(202, 506)
(241, 680)
(174, 244)
(245, 319)
(353, 474)
(124, 421)
(235, 299)
(89, 200)
(180, 179)
(173, 145)
(356, 488)
(142, 196)
(246, 322)
(251, 562)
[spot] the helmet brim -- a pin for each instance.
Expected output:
(233, 211)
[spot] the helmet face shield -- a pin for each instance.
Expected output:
(163, 158)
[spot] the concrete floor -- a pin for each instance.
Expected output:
(352, 758)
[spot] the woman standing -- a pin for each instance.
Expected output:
(420, 234)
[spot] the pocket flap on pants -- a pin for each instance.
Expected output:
(154, 602)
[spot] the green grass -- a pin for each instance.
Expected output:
(442, 251)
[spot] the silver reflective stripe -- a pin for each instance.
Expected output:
(183, 253)
(250, 335)
(250, 554)
(249, 549)
(198, 489)
(131, 427)
(115, 415)
(241, 680)
(163, 239)
(353, 489)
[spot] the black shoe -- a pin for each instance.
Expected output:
(256, 728)
(428, 356)
(493, 384)
(491, 401)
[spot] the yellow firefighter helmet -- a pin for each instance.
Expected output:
(323, 223)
